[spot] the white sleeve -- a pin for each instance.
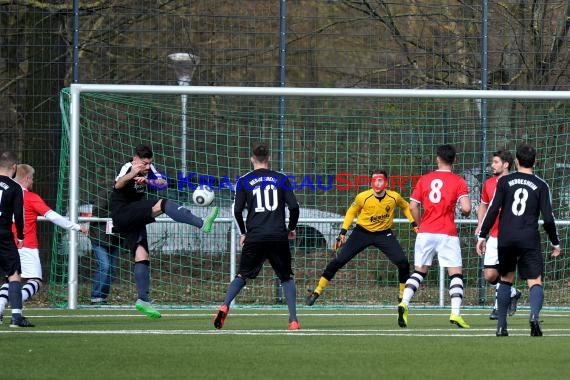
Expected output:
(61, 221)
(156, 173)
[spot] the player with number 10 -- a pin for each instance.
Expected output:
(264, 235)
(438, 192)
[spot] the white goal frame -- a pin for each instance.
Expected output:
(77, 89)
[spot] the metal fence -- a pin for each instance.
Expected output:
(45, 46)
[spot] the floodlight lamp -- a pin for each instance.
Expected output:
(184, 66)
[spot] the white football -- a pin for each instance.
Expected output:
(203, 196)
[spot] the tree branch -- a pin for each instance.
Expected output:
(66, 6)
(558, 41)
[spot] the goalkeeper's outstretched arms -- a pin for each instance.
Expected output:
(349, 217)
(405, 207)
(340, 239)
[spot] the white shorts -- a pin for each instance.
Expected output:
(31, 266)
(491, 257)
(446, 247)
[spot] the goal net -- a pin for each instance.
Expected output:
(328, 141)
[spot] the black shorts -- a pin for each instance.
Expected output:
(528, 261)
(9, 256)
(130, 222)
(134, 239)
(133, 216)
(254, 254)
(360, 239)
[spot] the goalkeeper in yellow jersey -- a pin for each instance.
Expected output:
(374, 209)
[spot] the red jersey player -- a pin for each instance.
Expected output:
(438, 192)
(501, 164)
(34, 206)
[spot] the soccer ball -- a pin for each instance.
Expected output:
(203, 196)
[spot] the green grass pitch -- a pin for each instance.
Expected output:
(255, 344)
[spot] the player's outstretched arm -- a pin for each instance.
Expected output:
(63, 222)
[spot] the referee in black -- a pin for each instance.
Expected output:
(12, 211)
(264, 235)
(520, 198)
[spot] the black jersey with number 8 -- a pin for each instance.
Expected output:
(523, 198)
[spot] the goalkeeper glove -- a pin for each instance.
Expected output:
(415, 227)
(341, 238)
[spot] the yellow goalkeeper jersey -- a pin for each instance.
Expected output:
(376, 214)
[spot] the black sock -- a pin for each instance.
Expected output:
(15, 294)
(142, 279)
(503, 302)
(536, 298)
(181, 214)
(233, 290)
(291, 298)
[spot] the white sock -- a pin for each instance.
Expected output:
(30, 288)
(412, 286)
(3, 297)
(456, 294)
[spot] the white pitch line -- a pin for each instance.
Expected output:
(240, 314)
(408, 333)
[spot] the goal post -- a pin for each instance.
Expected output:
(331, 141)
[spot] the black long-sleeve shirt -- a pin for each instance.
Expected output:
(11, 206)
(265, 193)
(520, 198)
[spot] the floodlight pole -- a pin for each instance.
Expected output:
(184, 66)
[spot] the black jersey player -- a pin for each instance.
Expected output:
(264, 235)
(520, 198)
(12, 211)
